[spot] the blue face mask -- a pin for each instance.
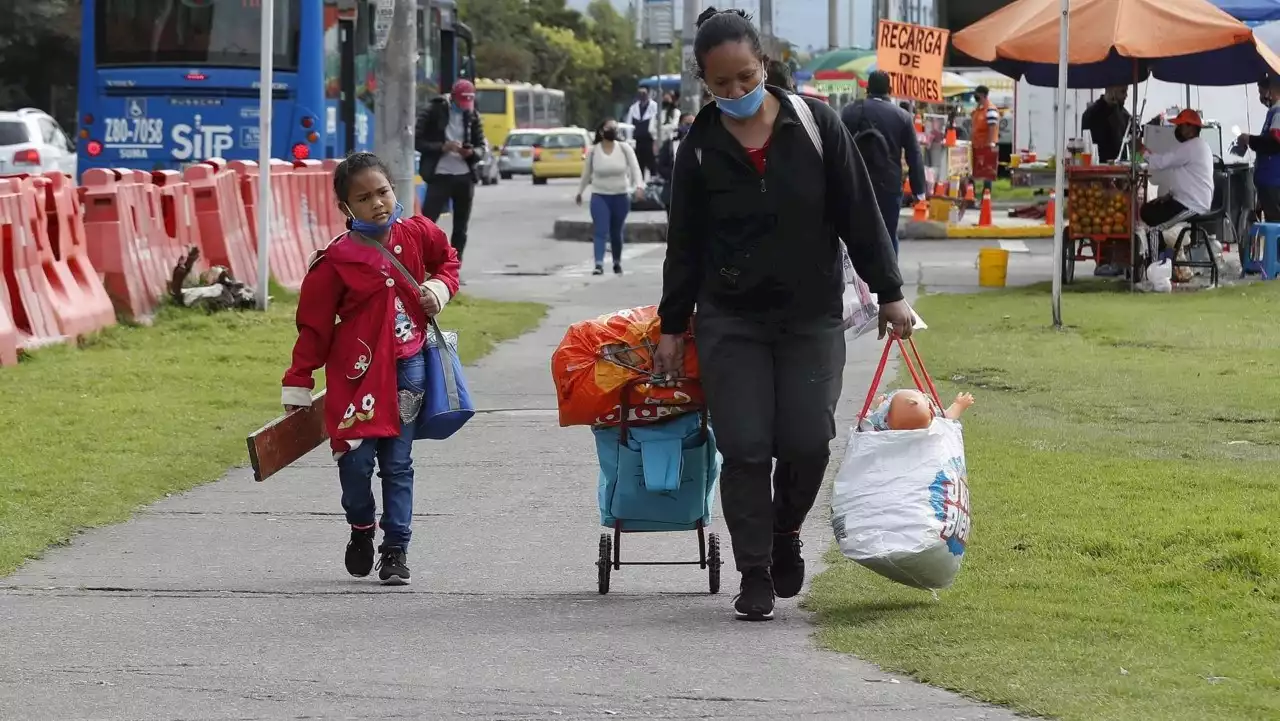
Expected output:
(743, 107)
(365, 227)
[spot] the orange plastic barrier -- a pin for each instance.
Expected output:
(178, 212)
(31, 297)
(337, 221)
(113, 241)
(315, 204)
(68, 240)
(81, 302)
(598, 357)
(156, 252)
(287, 259)
(223, 223)
(8, 331)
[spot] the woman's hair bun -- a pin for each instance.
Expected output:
(705, 16)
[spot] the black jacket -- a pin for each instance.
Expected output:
(1107, 125)
(768, 247)
(429, 136)
(899, 131)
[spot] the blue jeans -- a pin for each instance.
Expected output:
(609, 213)
(890, 209)
(395, 467)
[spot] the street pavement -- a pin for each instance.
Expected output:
(230, 601)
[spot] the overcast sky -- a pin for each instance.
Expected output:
(803, 22)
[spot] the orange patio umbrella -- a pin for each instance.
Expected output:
(1111, 41)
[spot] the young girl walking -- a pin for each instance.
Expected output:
(372, 355)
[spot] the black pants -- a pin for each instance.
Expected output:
(461, 190)
(645, 157)
(772, 391)
(1160, 211)
(1269, 200)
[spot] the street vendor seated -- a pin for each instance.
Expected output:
(1184, 175)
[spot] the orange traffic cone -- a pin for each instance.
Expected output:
(940, 189)
(968, 195)
(921, 212)
(919, 124)
(1051, 208)
(950, 142)
(984, 215)
(906, 186)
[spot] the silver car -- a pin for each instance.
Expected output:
(516, 156)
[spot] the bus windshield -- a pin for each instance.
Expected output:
(491, 101)
(222, 33)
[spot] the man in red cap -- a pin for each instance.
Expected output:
(451, 139)
(1184, 174)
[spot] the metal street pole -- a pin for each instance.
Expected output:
(1059, 161)
(265, 209)
(394, 99)
(833, 24)
(690, 87)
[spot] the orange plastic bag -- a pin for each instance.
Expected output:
(598, 357)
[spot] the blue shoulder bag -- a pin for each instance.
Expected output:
(446, 403)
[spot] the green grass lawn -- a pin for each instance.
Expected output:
(96, 431)
(1002, 189)
(1125, 479)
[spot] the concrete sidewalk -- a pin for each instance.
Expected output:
(230, 601)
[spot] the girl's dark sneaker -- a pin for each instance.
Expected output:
(754, 601)
(617, 269)
(359, 557)
(393, 567)
(788, 564)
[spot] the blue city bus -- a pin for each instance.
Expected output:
(167, 83)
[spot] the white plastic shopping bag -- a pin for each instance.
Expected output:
(901, 500)
(861, 311)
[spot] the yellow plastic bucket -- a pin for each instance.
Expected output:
(993, 267)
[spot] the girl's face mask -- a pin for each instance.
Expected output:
(368, 227)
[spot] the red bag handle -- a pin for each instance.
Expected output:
(924, 383)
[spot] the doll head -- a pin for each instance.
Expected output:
(909, 410)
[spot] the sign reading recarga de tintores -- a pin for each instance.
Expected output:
(912, 56)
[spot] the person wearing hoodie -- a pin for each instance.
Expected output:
(753, 244)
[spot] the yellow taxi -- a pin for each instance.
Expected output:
(560, 153)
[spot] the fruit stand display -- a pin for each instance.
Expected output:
(1101, 207)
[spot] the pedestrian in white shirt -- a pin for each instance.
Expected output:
(1185, 177)
(613, 174)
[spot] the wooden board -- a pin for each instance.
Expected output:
(278, 444)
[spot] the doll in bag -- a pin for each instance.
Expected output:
(908, 409)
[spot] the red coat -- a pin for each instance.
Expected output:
(356, 285)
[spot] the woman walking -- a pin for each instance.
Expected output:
(757, 216)
(613, 174)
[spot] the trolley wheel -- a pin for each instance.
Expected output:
(1069, 262)
(605, 563)
(713, 563)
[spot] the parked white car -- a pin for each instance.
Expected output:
(31, 142)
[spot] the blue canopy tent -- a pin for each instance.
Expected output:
(1250, 12)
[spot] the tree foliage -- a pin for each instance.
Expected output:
(39, 49)
(593, 57)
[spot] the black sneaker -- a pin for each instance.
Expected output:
(598, 271)
(754, 601)
(788, 565)
(617, 269)
(393, 567)
(359, 557)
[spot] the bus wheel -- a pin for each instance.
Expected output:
(505, 176)
(539, 181)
